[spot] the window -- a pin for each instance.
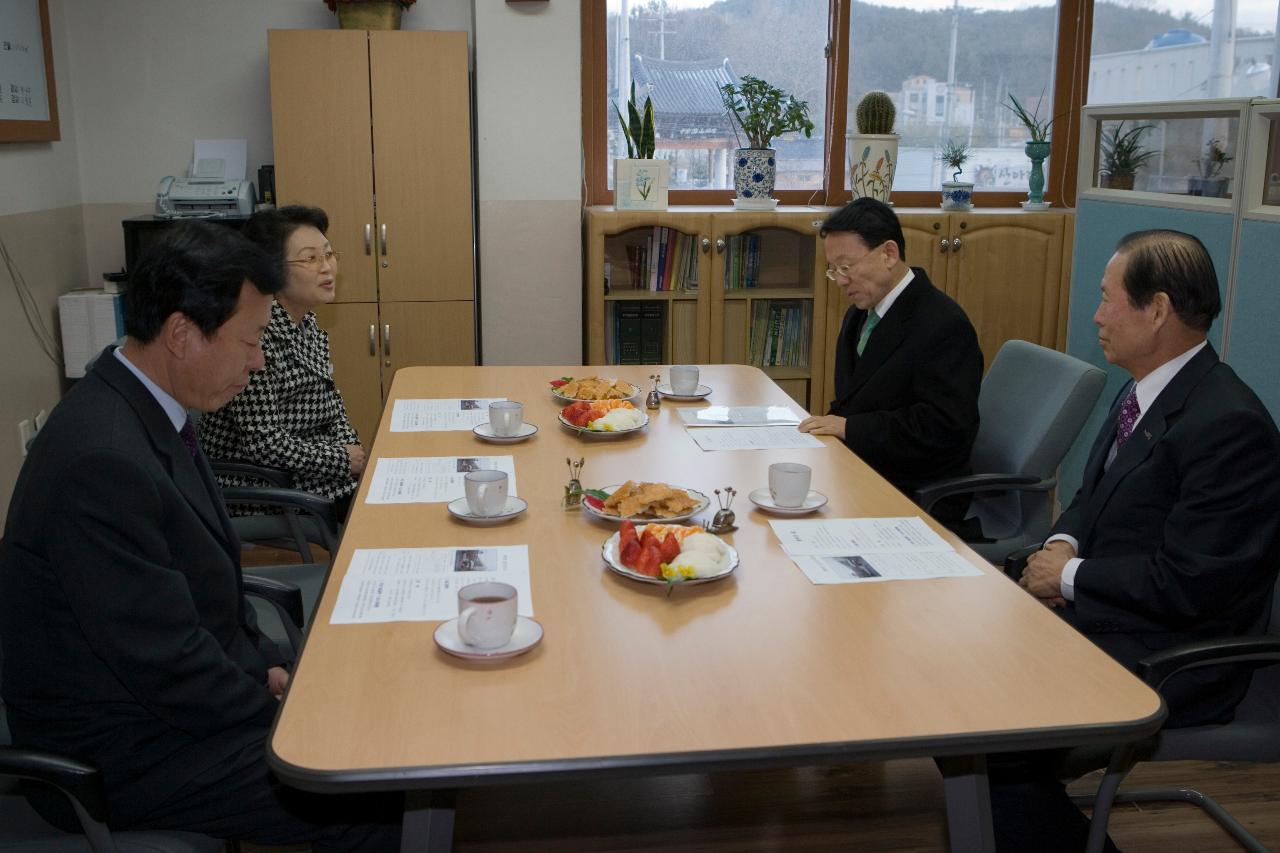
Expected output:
(832, 52)
(1212, 50)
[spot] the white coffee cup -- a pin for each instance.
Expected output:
(789, 483)
(506, 417)
(684, 379)
(486, 492)
(486, 614)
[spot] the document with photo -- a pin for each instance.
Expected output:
(752, 438)
(421, 584)
(441, 415)
(854, 550)
(739, 416)
(431, 479)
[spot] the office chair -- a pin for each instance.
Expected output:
(1253, 735)
(1033, 403)
(23, 830)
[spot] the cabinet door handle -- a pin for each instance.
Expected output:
(373, 339)
(706, 245)
(368, 239)
(944, 245)
(386, 344)
(382, 238)
(956, 244)
(720, 245)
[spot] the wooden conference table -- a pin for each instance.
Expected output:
(761, 669)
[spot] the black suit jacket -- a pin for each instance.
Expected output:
(127, 639)
(1181, 535)
(911, 400)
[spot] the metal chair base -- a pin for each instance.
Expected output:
(1188, 795)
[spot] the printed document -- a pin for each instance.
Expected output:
(739, 416)
(441, 415)
(431, 479)
(853, 550)
(421, 584)
(752, 438)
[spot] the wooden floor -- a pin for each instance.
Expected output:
(896, 806)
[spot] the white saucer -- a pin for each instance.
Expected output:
(762, 498)
(459, 510)
(754, 203)
(699, 394)
(528, 633)
(485, 433)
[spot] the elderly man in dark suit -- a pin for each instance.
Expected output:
(128, 643)
(1174, 535)
(908, 365)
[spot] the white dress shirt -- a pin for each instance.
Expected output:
(883, 306)
(176, 411)
(1147, 389)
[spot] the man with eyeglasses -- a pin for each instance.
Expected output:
(908, 366)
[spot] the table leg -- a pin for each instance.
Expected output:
(964, 780)
(428, 821)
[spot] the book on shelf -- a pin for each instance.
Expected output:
(651, 323)
(780, 332)
(627, 318)
(742, 261)
(638, 332)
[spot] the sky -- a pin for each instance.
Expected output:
(1256, 14)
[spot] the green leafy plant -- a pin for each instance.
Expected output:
(638, 131)
(955, 154)
(1122, 151)
(1214, 160)
(764, 111)
(875, 113)
(1038, 130)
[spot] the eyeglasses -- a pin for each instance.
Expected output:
(316, 261)
(843, 270)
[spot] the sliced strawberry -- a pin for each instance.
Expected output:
(670, 549)
(629, 553)
(557, 383)
(649, 540)
(593, 502)
(648, 564)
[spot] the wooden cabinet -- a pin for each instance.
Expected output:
(375, 127)
(708, 317)
(1009, 271)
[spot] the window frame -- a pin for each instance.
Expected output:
(1070, 81)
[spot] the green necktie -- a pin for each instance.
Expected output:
(872, 319)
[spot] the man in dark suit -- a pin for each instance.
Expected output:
(1174, 535)
(128, 643)
(908, 365)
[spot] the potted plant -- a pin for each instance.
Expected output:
(873, 150)
(1122, 156)
(640, 180)
(1210, 182)
(368, 14)
(1036, 148)
(956, 194)
(762, 112)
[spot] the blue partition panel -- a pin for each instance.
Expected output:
(1099, 226)
(1252, 346)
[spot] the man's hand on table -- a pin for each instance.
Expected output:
(1043, 575)
(824, 425)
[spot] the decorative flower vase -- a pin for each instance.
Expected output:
(957, 195)
(873, 159)
(370, 15)
(754, 172)
(641, 184)
(1037, 151)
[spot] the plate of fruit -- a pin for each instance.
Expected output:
(644, 502)
(603, 418)
(668, 554)
(566, 389)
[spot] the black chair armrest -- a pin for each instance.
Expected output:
(1015, 563)
(285, 598)
(274, 476)
(82, 782)
(928, 495)
(321, 508)
(1158, 668)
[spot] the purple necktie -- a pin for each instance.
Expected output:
(188, 433)
(1128, 419)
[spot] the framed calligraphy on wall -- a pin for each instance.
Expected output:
(28, 99)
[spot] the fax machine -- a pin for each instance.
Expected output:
(203, 197)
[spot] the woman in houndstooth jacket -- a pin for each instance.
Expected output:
(291, 416)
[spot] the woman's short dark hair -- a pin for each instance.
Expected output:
(271, 229)
(197, 268)
(1174, 263)
(872, 220)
